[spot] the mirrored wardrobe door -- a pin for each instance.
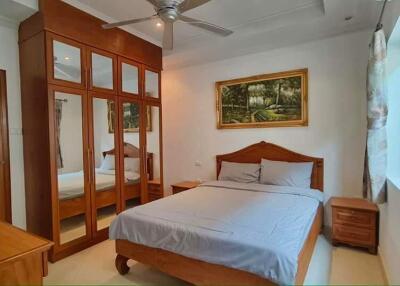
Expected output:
(102, 71)
(67, 62)
(154, 154)
(105, 185)
(129, 78)
(72, 178)
(130, 156)
(152, 84)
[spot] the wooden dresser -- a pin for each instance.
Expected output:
(155, 190)
(183, 186)
(355, 222)
(23, 256)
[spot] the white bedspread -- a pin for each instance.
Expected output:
(252, 227)
(70, 185)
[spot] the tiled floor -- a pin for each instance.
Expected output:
(337, 265)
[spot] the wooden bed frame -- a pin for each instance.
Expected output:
(203, 273)
(107, 197)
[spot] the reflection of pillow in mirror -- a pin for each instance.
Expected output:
(132, 164)
(108, 163)
(131, 176)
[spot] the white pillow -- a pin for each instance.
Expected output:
(239, 172)
(132, 164)
(286, 173)
(108, 163)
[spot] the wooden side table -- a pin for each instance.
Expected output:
(154, 188)
(183, 186)
(355, 222)
(23, 256)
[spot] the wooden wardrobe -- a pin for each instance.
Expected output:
(91, 112)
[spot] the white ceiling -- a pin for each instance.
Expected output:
(258, 25)
(14, 11)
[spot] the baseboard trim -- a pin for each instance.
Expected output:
(385, 272)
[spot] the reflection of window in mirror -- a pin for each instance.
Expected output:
(130, 78)
(67, 62)
(102, 71)
(151, 84)
(68, 113)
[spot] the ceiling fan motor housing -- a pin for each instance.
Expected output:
(168, 10)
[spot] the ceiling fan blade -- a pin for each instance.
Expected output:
(168, 37)
(127, 22)
(207, 26)
(190, 4)
(153, 2)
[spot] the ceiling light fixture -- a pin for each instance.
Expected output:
(67, 58)
(159, 24)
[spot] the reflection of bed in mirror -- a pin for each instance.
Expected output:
(71, 185)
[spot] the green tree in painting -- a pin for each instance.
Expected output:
(262, 101)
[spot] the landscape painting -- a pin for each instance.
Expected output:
(130, 117)
(272, 100)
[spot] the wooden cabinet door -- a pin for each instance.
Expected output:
(152, 84)
(5, 185)
(104, 165)
(66, 62)
(70, 159)
(131, 158)
(102, 71)
(153, 140)
(129, 78)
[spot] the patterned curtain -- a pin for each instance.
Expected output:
(374, 183)
(60, 163)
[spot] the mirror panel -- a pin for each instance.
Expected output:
(67, 62)
(72, 194)
(102, 71)
(153, 151)
(105, 158)
(151, 84)
(131, 139)
(130, 78)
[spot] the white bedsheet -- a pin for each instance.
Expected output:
(70, 185)
(256, 228)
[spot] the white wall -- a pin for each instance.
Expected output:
(9, 61)
(337, 74)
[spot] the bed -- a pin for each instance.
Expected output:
(228, 233)
(71, 185)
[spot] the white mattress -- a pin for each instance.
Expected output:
(252, 227)
(71, 185)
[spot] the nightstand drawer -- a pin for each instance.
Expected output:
(354, 234)
(354, 217)
(154, 196)
(176, 190)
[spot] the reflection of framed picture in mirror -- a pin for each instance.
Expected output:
(130, 115)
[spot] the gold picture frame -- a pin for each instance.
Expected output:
(131, 122)
(268, 100)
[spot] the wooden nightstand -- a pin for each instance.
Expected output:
(355, 222)
(183, 186)
(154, 188)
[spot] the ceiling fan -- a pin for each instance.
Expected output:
(170, 11)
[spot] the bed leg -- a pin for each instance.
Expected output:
(121, 264)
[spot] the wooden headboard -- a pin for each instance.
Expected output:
(254, 153)
(131, 151)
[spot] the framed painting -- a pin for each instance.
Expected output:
(270, 100)
(131, 117)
